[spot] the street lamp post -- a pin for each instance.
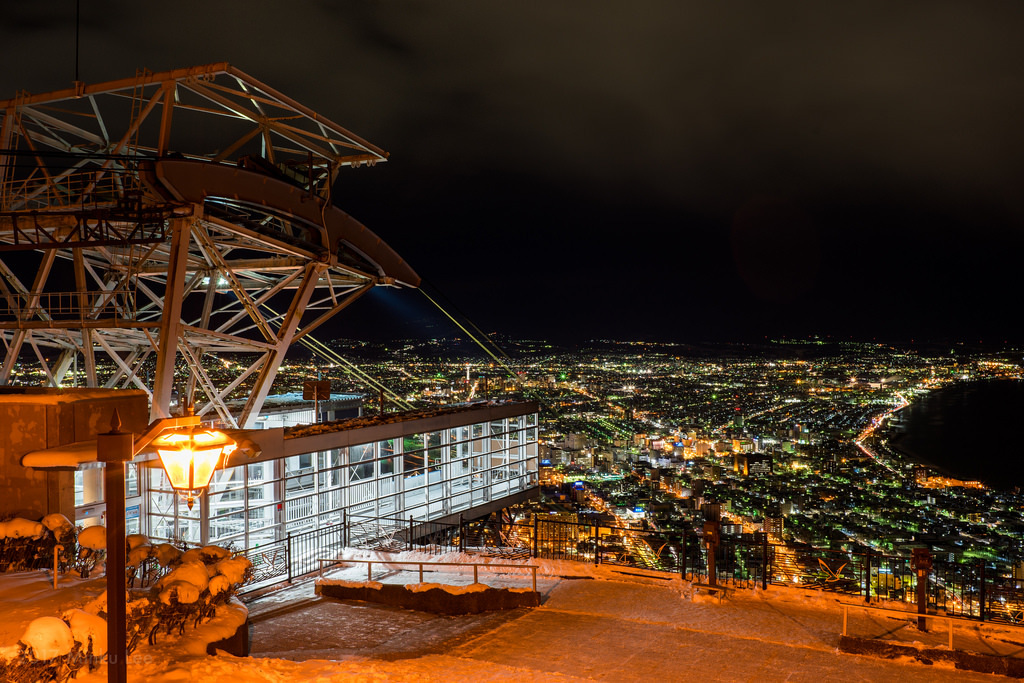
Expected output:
(189, 459)
(115, 448)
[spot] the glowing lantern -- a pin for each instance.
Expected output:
(190, 456)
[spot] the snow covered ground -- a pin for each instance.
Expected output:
(596, 623)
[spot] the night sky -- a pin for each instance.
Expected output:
(670, 170)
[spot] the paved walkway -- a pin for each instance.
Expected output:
(625, 629)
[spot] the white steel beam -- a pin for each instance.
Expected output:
(170, 324)
(285, 334)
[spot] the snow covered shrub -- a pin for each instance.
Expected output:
(92, 548)
(64, 534)
(198, 581)
(25, 545)
(177, 589)
(48, 651)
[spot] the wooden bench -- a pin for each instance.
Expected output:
(719, 591)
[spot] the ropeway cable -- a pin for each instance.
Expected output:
(317, 346)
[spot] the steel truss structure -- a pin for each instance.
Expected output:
(172, 224)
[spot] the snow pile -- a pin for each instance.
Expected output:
(219, 584)
(136, 556)
(21, 528)
(94, 538)
(89, 630)
(136, 540)
(166, 554)
(60, 526)
(375, 585)
(180, 592)
(234, 568)
(48, 637)
(193, 573)
(208, 554)
(451, 590)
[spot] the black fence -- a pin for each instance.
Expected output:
(972, 589)
(967, 589)
(292, 556)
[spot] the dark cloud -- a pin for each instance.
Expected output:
(616, 143)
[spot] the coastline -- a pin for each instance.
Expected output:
(944, 420)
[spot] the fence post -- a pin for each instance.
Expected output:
(462, 534)
(711, 538)
(867, 576)
(344, 528)
(981, 596)
(535, 518)
(684, 555)
(410, 534)
(288, 556)
(764, 562)
(922, 565)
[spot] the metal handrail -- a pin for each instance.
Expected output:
(917, 615)
(476, 565)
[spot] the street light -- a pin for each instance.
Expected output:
(191, 458)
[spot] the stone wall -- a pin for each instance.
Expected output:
(35, 419)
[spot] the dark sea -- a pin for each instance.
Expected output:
(968, 430)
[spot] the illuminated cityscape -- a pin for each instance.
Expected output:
(672, 344)
(791, 434)
(797, 431)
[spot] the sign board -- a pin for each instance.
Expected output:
(132, 512)
(319, 390)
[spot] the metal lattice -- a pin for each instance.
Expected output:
(158, 224)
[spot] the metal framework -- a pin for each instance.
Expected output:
(162, 221)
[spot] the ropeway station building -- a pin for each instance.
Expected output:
(431, 465)
(139, 260)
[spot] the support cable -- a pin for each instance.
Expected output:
(318, 347)
(479, 343)
(507, 367)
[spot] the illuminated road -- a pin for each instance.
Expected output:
(869, 431)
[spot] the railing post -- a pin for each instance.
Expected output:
(534, 570)
(288, 556)
(597, 552)
(684, 556)
(867, 577)
(462, 534)
(421, 572)
(344, 528)
(981, 596)
(711, 538)
(922, 565)
(535, 518)
(764, 562)
(410, 534)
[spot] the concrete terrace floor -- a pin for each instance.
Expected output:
(609, 627)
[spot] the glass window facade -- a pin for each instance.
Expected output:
(420, 475)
